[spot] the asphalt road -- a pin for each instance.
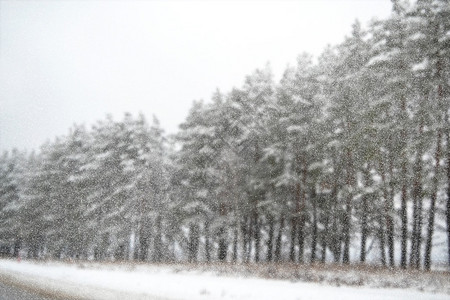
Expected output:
(9, 292)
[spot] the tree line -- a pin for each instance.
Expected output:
(344, 159)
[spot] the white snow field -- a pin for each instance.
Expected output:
(95, 281)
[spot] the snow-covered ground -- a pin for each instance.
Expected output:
(96, 281)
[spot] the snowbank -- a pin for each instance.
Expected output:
(97, 281)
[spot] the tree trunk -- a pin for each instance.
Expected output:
(270, 239)
(193, 243)
(257, 237)
(17, 246)
(362, 256)
(427, 260)
(416, 237)
(235, 244)
(104, 246)
(336, 245)
(223, 245)
(249, 238)
(301, 192)
(278, 240)
(382, 240)
(136, 247)
(314, 229)
(387, 217)
(157, 247)
(413, 253)
(448, 194)
(301, 239)
(364, 217)
(143, 247)
(120, 252)
(364, 212)
(207, 242)
(336, 237)
(293, 238)
(404, 175)
(419, 230)
(144, 240)
(390, 215)
(222, 251)
(325, 234)
(404, 218)
(245, 237)
(348, 208)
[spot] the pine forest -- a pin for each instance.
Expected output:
(345, 160)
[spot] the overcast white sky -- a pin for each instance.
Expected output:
(66, 62)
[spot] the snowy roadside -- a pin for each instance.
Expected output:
(94, 281)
